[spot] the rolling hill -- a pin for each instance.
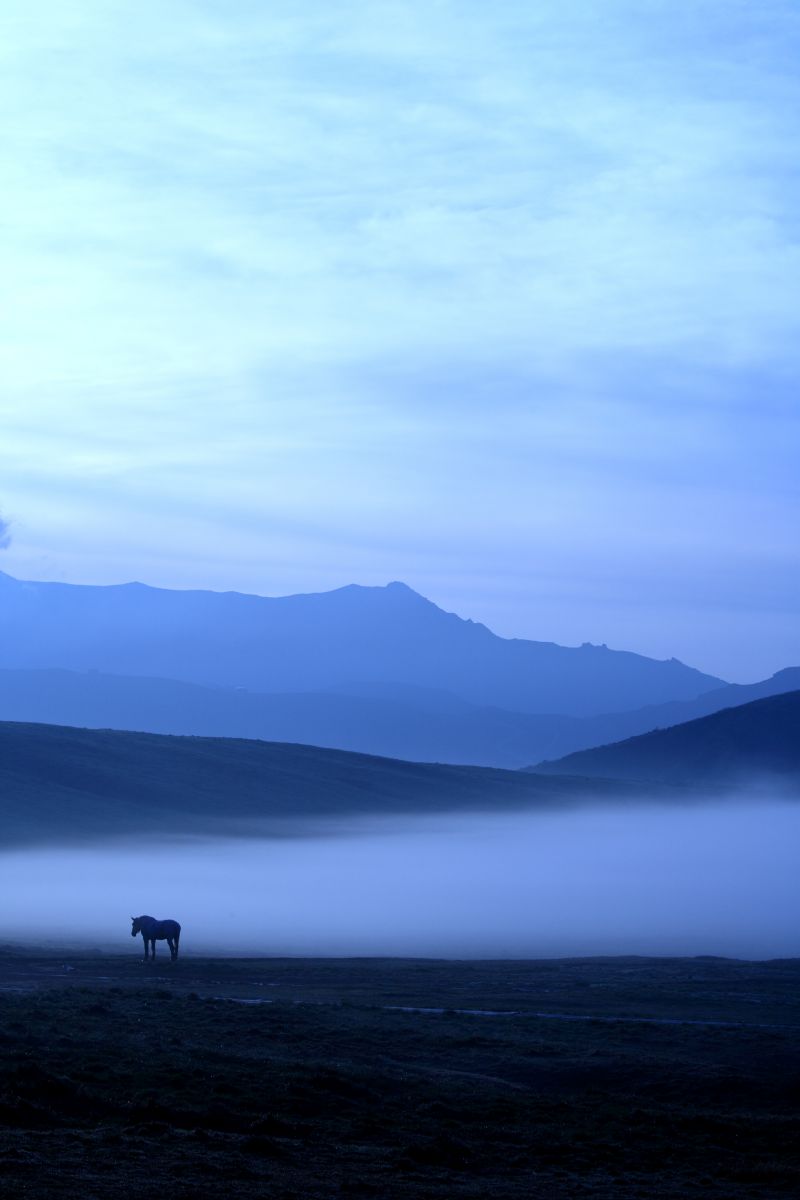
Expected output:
(317, 643)
(756, 744)
(61, 784)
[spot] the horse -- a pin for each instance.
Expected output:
(153, 931)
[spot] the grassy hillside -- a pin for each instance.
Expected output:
(58, 783)
(756, 743)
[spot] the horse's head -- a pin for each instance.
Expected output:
(136, 926)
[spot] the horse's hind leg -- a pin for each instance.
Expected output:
(173, 948)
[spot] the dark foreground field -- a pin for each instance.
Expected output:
(398, 1078)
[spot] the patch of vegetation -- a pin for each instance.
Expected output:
(162, 1083)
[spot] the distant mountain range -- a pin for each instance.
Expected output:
(62, 784)
(393, 720)
(387, 636)
(756, 744)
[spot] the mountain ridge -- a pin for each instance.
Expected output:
(389, 719)
(318, 641)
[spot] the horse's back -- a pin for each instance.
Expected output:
(151, 927)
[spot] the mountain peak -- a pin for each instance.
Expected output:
(372, 595)
(395, 587)
(398, 590)
(311, 642)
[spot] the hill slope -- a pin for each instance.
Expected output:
(319, 642)
(60, 783)
(756, 743)
(418, 724)
(396, 721)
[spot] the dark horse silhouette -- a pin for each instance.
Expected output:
(153, 931)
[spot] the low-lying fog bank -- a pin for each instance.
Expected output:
(717, 879)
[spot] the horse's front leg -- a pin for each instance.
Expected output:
(144, 939)
(153, 947)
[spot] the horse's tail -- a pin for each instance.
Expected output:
(177, 939)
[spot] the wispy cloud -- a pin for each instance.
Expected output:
(457, 284)
(246, 187)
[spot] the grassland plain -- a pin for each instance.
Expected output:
(626, 1077)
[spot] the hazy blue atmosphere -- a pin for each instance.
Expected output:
(399, 577)
(717, 879)
(329, 323)
(501, 302)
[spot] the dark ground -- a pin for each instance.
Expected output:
(679, 1078)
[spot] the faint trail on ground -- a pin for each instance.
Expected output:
(559, 1016)
(516, 1012)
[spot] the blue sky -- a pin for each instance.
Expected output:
(500, 300)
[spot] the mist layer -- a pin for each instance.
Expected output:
(717, 879)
